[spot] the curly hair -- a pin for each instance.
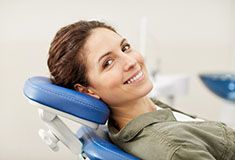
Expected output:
(67, 60)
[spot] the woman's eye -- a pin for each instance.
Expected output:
(107, 63)
(126, 47)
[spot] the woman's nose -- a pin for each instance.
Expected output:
(129, 62)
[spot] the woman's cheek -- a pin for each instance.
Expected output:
(113, 79)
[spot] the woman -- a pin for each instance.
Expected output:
(92, 58)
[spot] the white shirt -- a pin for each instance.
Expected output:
(182, 117)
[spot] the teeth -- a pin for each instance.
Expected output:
(135, 78)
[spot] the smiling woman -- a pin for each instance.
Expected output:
(92, 58)
(117, 64)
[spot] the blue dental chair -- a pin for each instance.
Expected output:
(91, 141)
(221, 84)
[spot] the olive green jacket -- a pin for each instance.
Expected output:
(158, 136)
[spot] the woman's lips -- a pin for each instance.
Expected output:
(135, 78)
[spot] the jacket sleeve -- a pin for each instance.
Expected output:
(192, 152)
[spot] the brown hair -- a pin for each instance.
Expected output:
(66, 62)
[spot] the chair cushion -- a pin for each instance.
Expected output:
(97, 146)
(43, 91)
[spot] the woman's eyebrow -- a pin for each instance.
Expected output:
(123, 40)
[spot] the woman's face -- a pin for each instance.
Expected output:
(116, 72)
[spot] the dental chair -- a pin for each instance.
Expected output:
(91, 141)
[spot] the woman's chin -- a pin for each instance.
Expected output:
(149, 87)
(145, 89)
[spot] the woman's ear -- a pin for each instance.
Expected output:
(82, 89)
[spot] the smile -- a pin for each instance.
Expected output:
(137, 77)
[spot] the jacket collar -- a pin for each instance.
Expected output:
(137, 124)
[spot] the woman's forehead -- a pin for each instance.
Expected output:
(102, 38)
(100, 41)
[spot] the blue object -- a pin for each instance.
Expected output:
(223, 85)
(97, 146)
(95, 143)
(41, 90)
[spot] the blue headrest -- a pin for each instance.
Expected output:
(41, 90)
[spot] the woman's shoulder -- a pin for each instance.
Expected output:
(170, 139)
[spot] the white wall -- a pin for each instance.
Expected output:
(232, 40)
(189, 36)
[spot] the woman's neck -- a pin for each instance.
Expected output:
(124, 113)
